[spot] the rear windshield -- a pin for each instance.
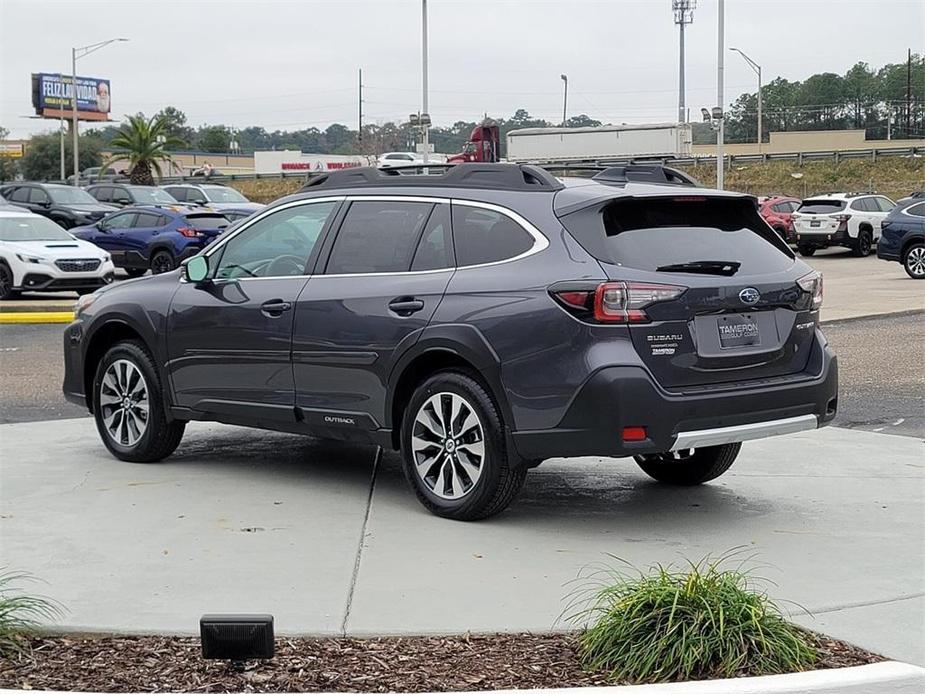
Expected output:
(654, 233)
(207, 221)
(820, 206)
(152, 195)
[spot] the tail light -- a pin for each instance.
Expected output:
(842, 220)
(188, 232)
(616, 302)
(812, 283)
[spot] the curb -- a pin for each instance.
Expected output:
(873, 316)
(890, 677)
(35, 317)
(36, 306)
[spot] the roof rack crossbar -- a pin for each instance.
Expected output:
(522, 177)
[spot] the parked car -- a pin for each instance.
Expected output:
(778, 211)
(390, 159)
(143, 238)
(95, 174)
(125, 195)
(233, 215)
(840, 219)
(480, 321)
(37, 255)
(66, 205)
(221, 198)
(903, 238)
(912, 197)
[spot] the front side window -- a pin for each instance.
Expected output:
(103, 194)
(118, 221)
(885, 204)
(178, 194)
(144, 220)
(279, 245)
(38, 196)
(377, 237)
(486, 236)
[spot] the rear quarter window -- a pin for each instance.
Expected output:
(821, 206)
(487, 236)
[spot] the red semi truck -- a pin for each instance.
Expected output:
(484, 145)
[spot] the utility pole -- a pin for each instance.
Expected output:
(360, 115)
(909, 95)
(683, 15)
(720, 56)
(425, 112)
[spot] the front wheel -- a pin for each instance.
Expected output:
(128, 405)
(914, 262)
(805, 250)
(6, 283)
(163, 261)
(453, 449)
(691, 466)
(862, 245)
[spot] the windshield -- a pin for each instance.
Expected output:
(70, 196)
(31, 229)
(820, 206)
(151, 195)
(224, 195)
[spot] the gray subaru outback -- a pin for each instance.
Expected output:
(479, 320)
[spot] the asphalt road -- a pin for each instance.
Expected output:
(881, 362)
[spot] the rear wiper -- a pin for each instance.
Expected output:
(704, 267)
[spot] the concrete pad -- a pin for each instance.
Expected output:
(833, 517)
(236, 521)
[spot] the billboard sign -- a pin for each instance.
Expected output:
(52, 96)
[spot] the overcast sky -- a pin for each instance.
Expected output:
(293, 64)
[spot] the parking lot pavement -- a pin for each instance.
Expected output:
(242, 520)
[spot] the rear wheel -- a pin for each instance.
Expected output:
(861, 246)
(691, 466)
(161, 262)
(6, 283)
(806, 250)
(914, 262)
(453, 449)
(135, 271)
(128, 405)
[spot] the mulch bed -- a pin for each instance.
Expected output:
(412, 664)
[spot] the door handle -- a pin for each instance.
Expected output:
(275, 307)
(405, 305)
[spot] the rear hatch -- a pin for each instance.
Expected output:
(819, 216)
(709, 293)
(207, 225)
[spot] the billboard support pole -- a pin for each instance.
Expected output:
(74, 113)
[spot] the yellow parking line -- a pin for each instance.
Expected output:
(37, 317)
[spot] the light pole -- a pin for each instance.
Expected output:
(75, 54)
(424, 111)
(757, 68)
(564, 98)
(718, 110)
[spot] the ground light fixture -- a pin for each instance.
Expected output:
(236, 637)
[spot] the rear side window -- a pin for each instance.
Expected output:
(207, 221)
(101, 194)
(19, 195)
(917, 210)
(865, 205)
(653, 233)
(37, 195)
(147, 219)
(821, 206)
(435, 249)
(377, 237)
(486, 236)
(178, 193)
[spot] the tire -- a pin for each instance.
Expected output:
(135, 271)
(914, 261)
(161, 262)
(6, 283)
(687, 468)
(83, 292)
(862, 244)
(154, 436)
(465, 487)
(808, 251)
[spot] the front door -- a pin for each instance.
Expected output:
(388, 267)
(229, 339)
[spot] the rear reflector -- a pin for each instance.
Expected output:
(634, 433)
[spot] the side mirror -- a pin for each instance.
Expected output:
(196, 269)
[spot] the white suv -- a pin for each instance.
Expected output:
(37, 255)
(840, 219)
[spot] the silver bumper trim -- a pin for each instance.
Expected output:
(744, 432)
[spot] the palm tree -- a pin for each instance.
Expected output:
(143, 143)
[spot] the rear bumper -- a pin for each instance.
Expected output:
(822, 240)
(626, 396)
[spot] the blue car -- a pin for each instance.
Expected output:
(153, 238)
(902, 237)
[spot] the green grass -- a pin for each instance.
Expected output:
(702, 622)
(21, 614)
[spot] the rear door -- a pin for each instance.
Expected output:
(137, 239)
(735, 310)
(376, 290)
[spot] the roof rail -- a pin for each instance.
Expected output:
(645, 173)
(470, 175)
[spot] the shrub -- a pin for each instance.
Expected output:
(700, 623)
(21, 615)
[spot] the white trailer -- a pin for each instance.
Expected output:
(599, 144)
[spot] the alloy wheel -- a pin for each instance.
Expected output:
(123, 401)
(448, 446)
(915, 261)
(162, 263)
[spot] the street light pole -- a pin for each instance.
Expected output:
(757, 68)
(564, 99)
(84, 51)
(426, 128)
(720, 133)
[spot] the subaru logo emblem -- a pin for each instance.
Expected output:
(749, 296)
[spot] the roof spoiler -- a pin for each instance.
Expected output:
(645, 173)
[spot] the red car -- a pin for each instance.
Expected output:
(778, 211)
